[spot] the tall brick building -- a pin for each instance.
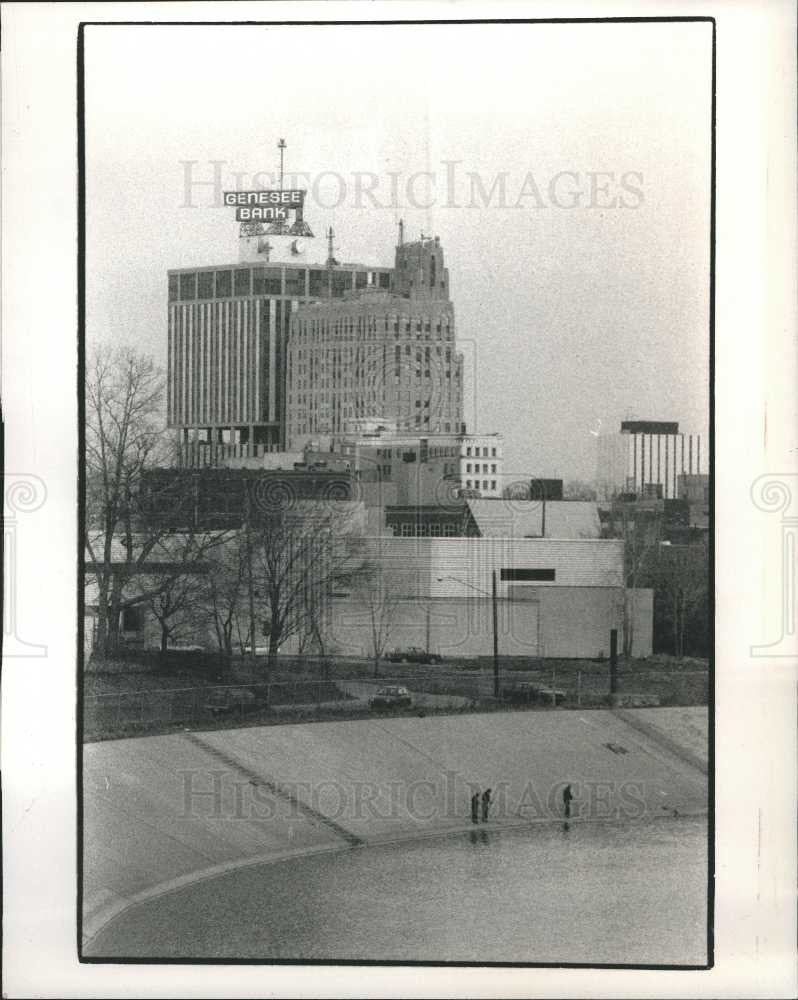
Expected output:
(379, 355)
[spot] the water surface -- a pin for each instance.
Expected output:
(591, 893)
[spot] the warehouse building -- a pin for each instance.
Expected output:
(555, 598)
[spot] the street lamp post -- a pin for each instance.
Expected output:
(495, 637)
(494, 602)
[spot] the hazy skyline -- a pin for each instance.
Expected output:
(575, 317)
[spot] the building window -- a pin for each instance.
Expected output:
(493, 484)
(205, 288)
(468, 451)
(407, 530)
(468, 484)
(295, 281)
(385, 279)
(173, 288)
(449, 530)
(242, 281)
(341, 282)
(188, 287)
(361, 279)
(484, 484)
(468, 466)
(224, 284)
(318, 282)
(522, 575)
(266, 281)
(493, 468)
(493, 452)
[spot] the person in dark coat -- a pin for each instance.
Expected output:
(567, 795)
(475, 807)
(485, 805)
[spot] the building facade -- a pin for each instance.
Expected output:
(228, 328)
(557, 598)
(646, 459)
(481, 465)
(378, 355)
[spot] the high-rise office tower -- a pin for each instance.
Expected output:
(228, 327)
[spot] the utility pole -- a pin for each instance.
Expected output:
(495, 637)
(250, 585)
(614, 661)
(426, 649)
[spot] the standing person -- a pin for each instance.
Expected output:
(566, 800)
(485, 805)
(475, 807)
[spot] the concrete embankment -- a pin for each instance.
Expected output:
(164, 811)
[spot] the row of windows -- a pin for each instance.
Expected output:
(475, 484)
(411, 529)
(484, 453)
(483, 469)
(265, 281)
(433, 452)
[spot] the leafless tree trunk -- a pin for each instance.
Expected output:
(301, 554)
(123, 399)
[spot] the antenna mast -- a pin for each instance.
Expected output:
(330, 252)
(281, 147)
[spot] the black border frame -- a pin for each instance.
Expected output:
(80, 374)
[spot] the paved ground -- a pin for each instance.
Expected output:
(165, 810)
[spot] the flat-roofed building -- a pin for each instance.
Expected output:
(228, 327)
(646, 458)
(555, 597)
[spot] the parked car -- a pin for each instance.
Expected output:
(413, 654)
(391, 697)
(529, 693)
(223, 700)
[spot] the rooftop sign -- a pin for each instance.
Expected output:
(266, 205)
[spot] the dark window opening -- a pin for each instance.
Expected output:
(188, 287)
(520, 575)
(205, 290)
(242, 281)
(224, 284)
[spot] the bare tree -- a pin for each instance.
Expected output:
(301, 554)
(222, 592)
(382, 599)
(682, 579)
(124, 390)
(576, 489)
(143, 549)
(641, 533)
(173, 603)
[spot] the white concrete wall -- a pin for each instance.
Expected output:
(552, 622)
(458, 627)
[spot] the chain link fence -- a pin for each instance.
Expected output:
(129, 713)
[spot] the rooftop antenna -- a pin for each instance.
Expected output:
(330, 254)
(281, 147)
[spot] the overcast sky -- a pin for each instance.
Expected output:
(579, 301)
